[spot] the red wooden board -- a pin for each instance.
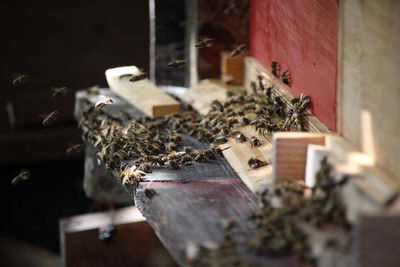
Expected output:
(302, 37)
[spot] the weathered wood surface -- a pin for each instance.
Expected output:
(194, 203)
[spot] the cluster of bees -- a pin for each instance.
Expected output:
(277, 232)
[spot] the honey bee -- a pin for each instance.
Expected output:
(261, 83)
(131, 177)
(216, 105)
(19, 78)
(186, 160)
(188, 149)
(230, 225)
(93, 90)
(238, 50)
(177, 63)
(220, 140)
(145, 167)
(286, 78)
(173, 164)
(274, 68)
(103, 102)
(244, 121)
(255, 163)
(22, 176)
(50, 118)
(138, 77)
(254, 141)
(170, 147)
(75, 149)
(253, 86)
(150, 193)
(240, 138)
(207, 42)
(57, 92)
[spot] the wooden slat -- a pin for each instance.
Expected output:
(142, 94)
(232, 67)
(290, 154)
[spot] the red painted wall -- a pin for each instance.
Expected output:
(302, 37)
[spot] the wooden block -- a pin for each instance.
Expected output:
(232, 68)
(290, 154)
(202, 94)
(239, 153)
(377, 241)
(142, 94)
(315, 154)
(134, 243)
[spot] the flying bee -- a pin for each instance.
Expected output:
(238, 50)
(286, 78)
(61, 91)
(138, 77)
(50, 118)
(207, 42)
(22, 176)
(177, 63)
(75, 149)
(103, 102)
(240, 138)
(150, 193)
(255, 163)
(93, 90)
(254, 141)
(274, 68)
(19, 78)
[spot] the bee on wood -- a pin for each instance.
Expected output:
(188, 149)
(268, 92)
(75, 149)
(207, 42)
(177, 63)
(255, 163)
(22, 176)
(50, 118)
(186, 159)
(254, 141)
(253, 87)
(171, 147)
(274, 68)
(131, 177)
(286, 78)
(220, 140)
(150, 193)
(216, 105)
(240, 138)
(145, 167)
(173, 164)
(244, 121)
(261, 83)
(95, 90)
(238, 50)
(103, 102)
(61, 91)
(138, 77)
(19, 78)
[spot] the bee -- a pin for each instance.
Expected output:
(244, 121)
(103, 102)
(253, 86)
(177, 63)
(220, 140)
(150, 193)
(188, 149)
(170, 147)
(216, 105)
(131, 177)
(50, 118)
(255, 163)
(186, 160)
(93, 90)
(238, 50)
(240, 138)
(75, 149)
(22, 176)
(173, 164)
(145, 167)
(274, 68)
(138, 77)
(207, 42)
(230, 225)
(19, 78)
(261, 83)
(254, 141)
(200, 157)
(57, 92)
(286, 78)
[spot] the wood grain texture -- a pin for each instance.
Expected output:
(302, 37)
(253, 68)
(290, 154)
(232, 68)
(142, 94)
(369, 60)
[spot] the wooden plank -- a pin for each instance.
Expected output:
(232, 68)
(202, 94)
(142, 94)
(253, 68)
(368, 35)
(80, 245)
(290, 154)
